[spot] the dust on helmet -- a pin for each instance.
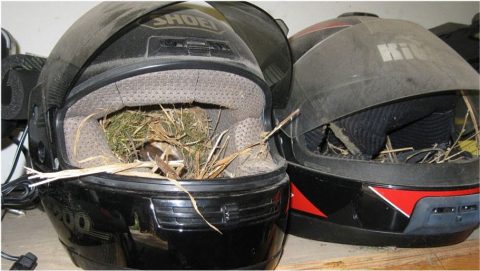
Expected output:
(382, 102)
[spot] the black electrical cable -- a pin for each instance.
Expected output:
(26, 153)
(5, 255)
(17, 155)
(17, 194)
(17, 142)
(9, 257)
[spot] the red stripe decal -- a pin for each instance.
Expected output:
(301, 203)
(320, 26)
(405, 200)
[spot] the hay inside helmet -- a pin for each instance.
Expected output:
(122, 55)
(372, 156)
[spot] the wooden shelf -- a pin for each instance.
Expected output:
(33, 232)
(460, 256)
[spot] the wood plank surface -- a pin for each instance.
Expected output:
(33, 232)
(461, 256)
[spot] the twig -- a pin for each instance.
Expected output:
(220, 165)
(391, 155)
(281, 124)
(473, 116)
(165, 168)
(459, 135)
(73, 173)
(429, 150)
(215, 158)
(335, 148)
(113, 168)
(194, 203)
(451, 156)
(170, 118)
(216, 123)
(212, 151)
(428, 154)
(397, 150)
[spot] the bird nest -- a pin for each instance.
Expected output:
(465, 145)
(182, 141)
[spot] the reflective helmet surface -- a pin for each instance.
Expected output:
(138, 54)
(380, 102)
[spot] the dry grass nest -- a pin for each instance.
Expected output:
(465, 146)
(168, 134)
(182, 141)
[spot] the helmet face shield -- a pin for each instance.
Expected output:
(371, 63)
(103, 24)
(366, 83)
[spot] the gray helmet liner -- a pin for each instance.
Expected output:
(242, 103)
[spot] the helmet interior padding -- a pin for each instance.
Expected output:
(417, 123)
(241, 100)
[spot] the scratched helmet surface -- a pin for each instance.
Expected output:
(138, 54)
(195, 42)
(360, 62)
(378, 98)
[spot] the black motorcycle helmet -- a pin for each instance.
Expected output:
(361, 83)
(134, 54)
